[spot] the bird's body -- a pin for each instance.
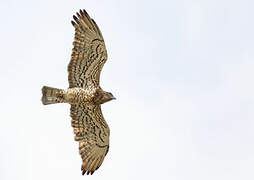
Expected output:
(84, 93)
(82, 96)
(71, 95)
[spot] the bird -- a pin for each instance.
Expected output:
(84, 94)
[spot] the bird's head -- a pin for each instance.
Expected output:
(107, 96)
(102, 97)
(110, 96)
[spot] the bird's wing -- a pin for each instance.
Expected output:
(88, 54)
(92, 132)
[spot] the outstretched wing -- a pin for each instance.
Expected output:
(88, 54)
(92, 132)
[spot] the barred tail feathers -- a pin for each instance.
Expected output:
(51, 95)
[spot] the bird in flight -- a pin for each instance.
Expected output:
(84, 93)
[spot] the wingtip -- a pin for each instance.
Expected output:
(83, 172)
(75, 18)
(73, 23)
(78, 15)
(87, 172)
(81, 12)
(85, 11)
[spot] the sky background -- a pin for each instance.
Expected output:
(182, 72)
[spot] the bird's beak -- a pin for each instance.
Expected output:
(113, 97)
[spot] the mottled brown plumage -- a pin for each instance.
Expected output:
(84, 93)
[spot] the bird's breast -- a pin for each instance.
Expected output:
(79, 95)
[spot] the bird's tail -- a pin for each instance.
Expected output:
(52, 95)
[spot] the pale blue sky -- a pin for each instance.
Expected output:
(182, 72)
